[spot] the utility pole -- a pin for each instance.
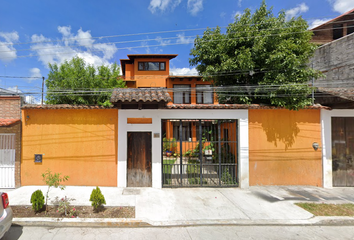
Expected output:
(313, 89)
(42, 89)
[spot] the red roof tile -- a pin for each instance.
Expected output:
(8, 122)
(232, 106)
(140, 94)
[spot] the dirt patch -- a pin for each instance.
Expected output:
(81, 212)
(323, 209)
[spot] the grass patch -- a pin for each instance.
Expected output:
(322, 209)
(167, 170)
(167, 165)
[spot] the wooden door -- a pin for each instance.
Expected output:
(343, 151)
(139, 159)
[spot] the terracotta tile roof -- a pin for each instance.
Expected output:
(140, 94)
(8, 122)
(334, 19)
(62, 106)
(232, 106)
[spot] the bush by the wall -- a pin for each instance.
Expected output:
(37, 200)
(97, 198)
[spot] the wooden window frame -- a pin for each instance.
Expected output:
(202, 93)
(144, 66)
(183, 94)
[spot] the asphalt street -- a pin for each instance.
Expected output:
(165, 233)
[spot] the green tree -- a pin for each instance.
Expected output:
(53, 180)
(66, 83)
(265, 58)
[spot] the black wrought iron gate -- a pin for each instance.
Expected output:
(199, 152)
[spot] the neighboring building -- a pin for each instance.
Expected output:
(336, 90)
(335, 60)
(10, 138)
(334, 29)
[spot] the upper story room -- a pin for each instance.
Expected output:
(153, 71)
(146, 70)
(334, 29)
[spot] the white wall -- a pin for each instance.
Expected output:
(326, 124)
(155, 127)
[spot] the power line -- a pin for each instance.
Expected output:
(162, 39)
(151, 33)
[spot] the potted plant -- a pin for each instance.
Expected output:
(168, 146)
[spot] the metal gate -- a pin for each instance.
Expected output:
(199, 152)
(7, 160)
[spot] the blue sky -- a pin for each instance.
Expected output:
(35, 33)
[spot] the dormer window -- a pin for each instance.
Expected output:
(151, 66)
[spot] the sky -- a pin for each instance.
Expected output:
(37, 32)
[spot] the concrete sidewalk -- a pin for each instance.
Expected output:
(196, 206)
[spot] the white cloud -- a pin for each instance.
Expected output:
(239, 3)
(342, 6)
(235, 13)
(163, 5)
(222, 14)
(195, 6)
(7, 51)
(162, 42)
(146, 45)
(183, 39)
(317, 22)
(81, 44)
(183, 71)
(300, 8)
(35, 74)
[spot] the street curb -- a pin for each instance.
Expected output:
(134, 223)
(80, 222)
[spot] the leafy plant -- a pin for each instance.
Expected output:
(168, 144)
(53, 180)
(77, 74)
(64, 207)
(97, 199)
(37, 200)
(269, 53)
(226, 178)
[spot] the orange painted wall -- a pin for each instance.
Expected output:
(280, 147)
(79, 143)
(151, 78)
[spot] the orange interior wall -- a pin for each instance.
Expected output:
(79, 143)
(280, 147)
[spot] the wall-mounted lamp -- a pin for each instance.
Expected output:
(27, 117)
(315, 146)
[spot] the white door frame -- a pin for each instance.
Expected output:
(326, 125)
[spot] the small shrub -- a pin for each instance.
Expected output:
(64, 207)
(37, 200)
(97, 198)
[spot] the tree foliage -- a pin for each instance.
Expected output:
(264, 57)
(65, 82)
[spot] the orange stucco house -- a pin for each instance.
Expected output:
(171, 131)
